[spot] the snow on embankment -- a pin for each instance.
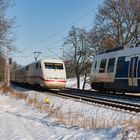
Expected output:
(20, 121)
(77, 113)
(72, 83)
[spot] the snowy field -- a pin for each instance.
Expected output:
(20, 121)
(71, 83)
(61, 119)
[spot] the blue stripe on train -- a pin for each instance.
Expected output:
(138, 72)
(122, 84)
(123, 71)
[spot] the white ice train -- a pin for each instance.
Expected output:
(48, 73)
(117, 70)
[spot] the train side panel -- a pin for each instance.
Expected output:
(19, 75)
(117, 71)
(48, 73)
(33, 73)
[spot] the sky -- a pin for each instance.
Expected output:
(42, 25)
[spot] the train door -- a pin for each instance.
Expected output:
(133, 68)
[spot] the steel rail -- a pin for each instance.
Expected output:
(101, 100)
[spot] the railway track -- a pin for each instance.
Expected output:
(127, 103)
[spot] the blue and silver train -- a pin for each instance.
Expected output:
(117, 69)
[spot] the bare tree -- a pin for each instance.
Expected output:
(117, 23)
(6, 24)
(2, 68)
(6, 33)
(78, 53)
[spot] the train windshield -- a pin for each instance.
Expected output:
(56, 66)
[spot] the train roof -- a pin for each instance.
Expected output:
(118, 49)
(51, 60)
(118, 52)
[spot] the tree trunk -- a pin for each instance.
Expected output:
(84, 83)
(78, 81)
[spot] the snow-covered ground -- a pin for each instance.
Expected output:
(19, 121)
(71, 83)
(62, 119)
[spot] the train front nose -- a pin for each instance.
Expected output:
(55, 83)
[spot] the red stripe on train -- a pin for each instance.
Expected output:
(46, 80)
(55, 81)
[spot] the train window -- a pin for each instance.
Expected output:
(36, 65)
(49, 66)
(27, 68)
(138, 44)
(111, 65)
(121, 63)
(102, 65)
(58, 66)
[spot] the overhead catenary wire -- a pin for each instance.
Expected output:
(61, 30)
(47, 47)
(53, 52)
(65, 27)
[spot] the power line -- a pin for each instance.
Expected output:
(51, 44)
(65, 27)
(47, 47)
(53, 53)
(23, 56)
(61, 30)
